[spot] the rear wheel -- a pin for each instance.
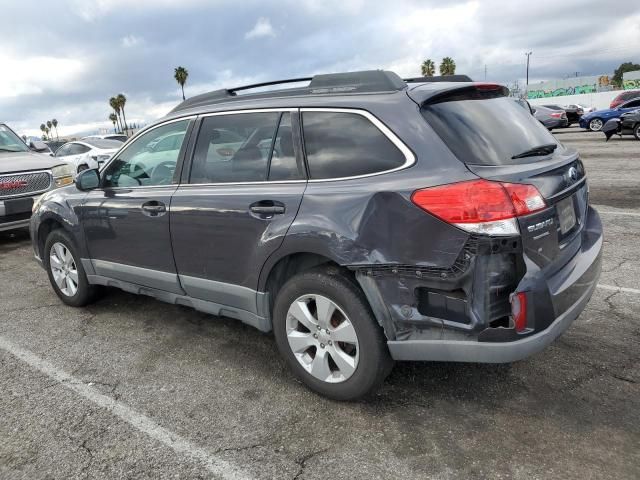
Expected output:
(326, 332)
(66, 274)
(595, 124)
(636, 131)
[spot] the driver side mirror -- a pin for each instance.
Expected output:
(88, 180)
(38, 146)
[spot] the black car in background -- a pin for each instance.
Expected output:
(627, 124)
(359, 218)
(574, 112)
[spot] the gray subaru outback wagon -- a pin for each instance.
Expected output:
(362, 218)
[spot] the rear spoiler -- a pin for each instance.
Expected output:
(426, 94)
(441, 78)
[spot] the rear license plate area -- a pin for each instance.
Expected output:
(18, 205)
(566, 215)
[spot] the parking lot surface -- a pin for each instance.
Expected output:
(133, 388)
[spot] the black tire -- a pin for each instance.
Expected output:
(374, 362)
(636, 131)
(85, 293)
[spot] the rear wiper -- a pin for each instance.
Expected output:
(535, 151)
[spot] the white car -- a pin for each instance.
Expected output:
(110, 136)
(89, 153)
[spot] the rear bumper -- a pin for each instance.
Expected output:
(568, 290)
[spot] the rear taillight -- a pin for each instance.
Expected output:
(556, 115)
(481, 206)
(519, 311)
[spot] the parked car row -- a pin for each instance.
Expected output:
(594, 121)
(627, 124)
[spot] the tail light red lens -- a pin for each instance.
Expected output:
(479, 202)
(519, 311)
(556, 115)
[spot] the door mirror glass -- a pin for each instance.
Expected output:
(88, 180)
(38, 146)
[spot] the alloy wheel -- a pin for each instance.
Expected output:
(595, 124)
(64, 270)
(322, 338)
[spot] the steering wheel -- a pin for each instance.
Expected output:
(170, 166)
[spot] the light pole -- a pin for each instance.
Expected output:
(528, 54)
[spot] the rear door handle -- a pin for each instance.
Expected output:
(154, 208)
(267, 208)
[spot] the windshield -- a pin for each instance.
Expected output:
(10, 142)
(104, 144)
(487, 132)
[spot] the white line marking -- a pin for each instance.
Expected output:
(613, 288)
(614, 212)
(217, 466)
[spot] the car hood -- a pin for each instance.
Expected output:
(26, 161)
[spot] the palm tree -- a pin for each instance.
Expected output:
(428, 68)
(49, 125)
(47, 129)
(24, 138)
(121, 102)
(113, 101)
(43, 127)
(114, 119)
(181, 74)
(448, 66)
(54, 122)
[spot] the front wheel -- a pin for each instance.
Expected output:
(595, 125)
(66, 274)
(636, 131)
(326, 332)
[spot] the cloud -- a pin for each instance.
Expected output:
(67, 58)
(130, 41)
(262, 28)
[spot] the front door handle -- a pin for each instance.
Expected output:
(154, 208)
(267, 208)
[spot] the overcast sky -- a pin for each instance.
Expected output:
(65, 58)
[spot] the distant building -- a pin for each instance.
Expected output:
(570, 86)
(631, 80)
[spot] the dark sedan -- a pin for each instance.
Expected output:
(574, 112)
(627, 124)
(550, 118)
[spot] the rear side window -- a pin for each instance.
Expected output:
(234, 148)
(487, 131)
(340, 144)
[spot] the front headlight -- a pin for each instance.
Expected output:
(62, 175)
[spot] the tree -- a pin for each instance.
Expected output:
(448, 66)
(24, 138)
(623, 68)
(122, 100)
(49, 126)
(181, 74)
(54, 122)
(47, 129)
(113, 101)
(428, 68)
(114, 119)
(43, 127)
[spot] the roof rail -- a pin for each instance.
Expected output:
(349, 82)
(441, 78)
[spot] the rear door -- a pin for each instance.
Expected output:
(236, 203)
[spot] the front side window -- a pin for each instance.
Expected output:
(631, 104)
(340, 144)
(141, 164)
(234, 148)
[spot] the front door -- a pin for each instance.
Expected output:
(243, 192)
(126, 221)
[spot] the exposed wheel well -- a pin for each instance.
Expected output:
(293, 264)
(43, 232)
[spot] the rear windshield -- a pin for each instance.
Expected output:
(487, 132)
